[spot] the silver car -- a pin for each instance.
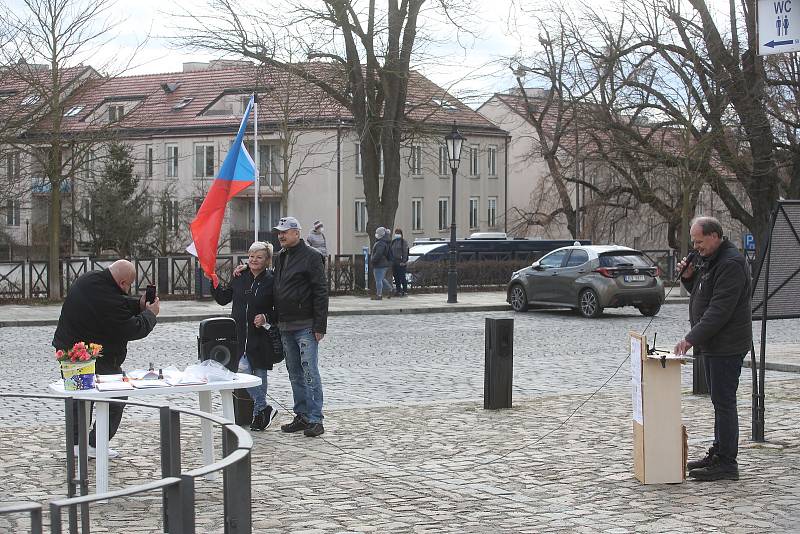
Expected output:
(589, 278)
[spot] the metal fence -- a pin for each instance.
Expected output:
(177, 487)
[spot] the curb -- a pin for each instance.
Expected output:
(776, 366)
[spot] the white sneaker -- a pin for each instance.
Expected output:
(93, 453)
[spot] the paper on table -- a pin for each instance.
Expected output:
(186, 381)
(113, 386)
(143, 384)
(109, 378)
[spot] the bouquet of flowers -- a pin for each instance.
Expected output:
(80, 352)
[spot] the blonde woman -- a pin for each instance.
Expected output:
(253, 307)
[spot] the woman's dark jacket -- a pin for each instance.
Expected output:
(380, 253)
(301, 290)
(719, 306)
(251, 297)
(96, 310)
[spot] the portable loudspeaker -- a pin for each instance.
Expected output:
(217, 341)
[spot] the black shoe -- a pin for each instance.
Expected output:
(703, 462)
(297, 424)
(258, 421)
(314, 430)
(264, 418)
(718, 470)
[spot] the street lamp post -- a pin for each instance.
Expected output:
(453, 140)
(27, 240)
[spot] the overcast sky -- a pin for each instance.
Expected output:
(470, 67)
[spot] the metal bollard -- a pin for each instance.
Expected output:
(499, 367)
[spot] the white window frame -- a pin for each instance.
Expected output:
(359, 164)
(13, 208)
(491, 158)
(13, 166)
(474, 161)
(360, 218)
(172, 161)
(116, 112)
(415, 161)
(416, 214)
(443, 207)
(491, 212)
(444, 163)
(474, 211)
(208, 166)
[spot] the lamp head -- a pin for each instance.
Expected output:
(454, 141)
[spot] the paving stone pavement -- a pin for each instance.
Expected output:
(408, 447)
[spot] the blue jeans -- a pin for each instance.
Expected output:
(380, 280)
(722, 374)
(257, 393)
(300, 348)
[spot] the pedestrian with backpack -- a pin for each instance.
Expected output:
(380, 261)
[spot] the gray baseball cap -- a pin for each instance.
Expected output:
(288, 223)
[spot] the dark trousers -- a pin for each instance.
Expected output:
(114, 409)
(400, 281)
(722, 376)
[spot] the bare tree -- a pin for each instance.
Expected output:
(43, 72)
(363, 55)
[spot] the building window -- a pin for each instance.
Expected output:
(269, 171)
(474, 205)
(148, 160)
(416, 160)
(444, 164)
(380, 160)
(651, 229)
(115, 113)
(89, 159)
(444, 211)
(359, 168)
(172, 161)
(169, 215)
(361, 216)
(473, 161)
(12, 212)
(12, 166)
(416, 214)
(30, 100)
(73, 111)
(204, 161)
(491, 157)
(491, 214)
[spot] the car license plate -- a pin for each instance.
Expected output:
(634, 278)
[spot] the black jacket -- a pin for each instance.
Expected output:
(380, 253)
(301, 291)
(97, 311)
(251, 296)
(719, 306)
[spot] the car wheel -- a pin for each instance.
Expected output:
(589, 304)
(650, 311)
(518, 298)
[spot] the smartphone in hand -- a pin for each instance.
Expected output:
(150, 294)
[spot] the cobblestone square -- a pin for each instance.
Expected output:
(409, 448)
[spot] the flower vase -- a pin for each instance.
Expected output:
(78, 375)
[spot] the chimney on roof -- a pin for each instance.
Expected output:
(170, 87)
(194, 66)
(216, 64)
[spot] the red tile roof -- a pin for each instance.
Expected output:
(304, 102)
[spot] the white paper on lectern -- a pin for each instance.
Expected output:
(636, 379)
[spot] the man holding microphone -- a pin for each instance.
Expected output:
(718, 278)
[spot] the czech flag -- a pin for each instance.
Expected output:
(237, 173)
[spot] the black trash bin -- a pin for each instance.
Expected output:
(242, 407)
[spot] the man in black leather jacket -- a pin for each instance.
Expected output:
(720, 315)
(301, 302)
(98, 310)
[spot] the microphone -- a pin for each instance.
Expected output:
(689, 260)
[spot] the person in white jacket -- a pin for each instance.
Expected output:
(316, 239)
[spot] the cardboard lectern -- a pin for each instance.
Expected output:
(659, 437)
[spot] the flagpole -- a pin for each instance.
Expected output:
(256, 214)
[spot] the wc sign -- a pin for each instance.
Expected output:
(778, 26)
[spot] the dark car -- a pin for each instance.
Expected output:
(589, 279)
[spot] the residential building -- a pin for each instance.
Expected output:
(180, 127)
